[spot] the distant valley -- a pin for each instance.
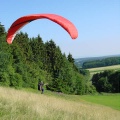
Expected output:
(79, 61)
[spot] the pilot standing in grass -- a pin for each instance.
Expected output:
(40, 87)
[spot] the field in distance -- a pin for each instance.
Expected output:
(101, 69)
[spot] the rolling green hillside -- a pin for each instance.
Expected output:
(80, 61)
(26, 105)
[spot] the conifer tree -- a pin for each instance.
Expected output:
(2, 29)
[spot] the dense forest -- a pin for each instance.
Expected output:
(28, 61)
(101, 63)
(107, 81)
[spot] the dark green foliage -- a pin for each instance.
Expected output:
(72, 61)
(2, 30)
(101, 63)
(79, 85)
(90, 89)
(70, 58)
(107, 81)
(28, 61)
(85, 72)
(114, 80)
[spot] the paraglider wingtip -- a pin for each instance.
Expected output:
(9, 42)
(75, 37)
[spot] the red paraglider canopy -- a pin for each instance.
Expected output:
(63, 22)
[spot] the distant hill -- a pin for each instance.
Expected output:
(79, 61)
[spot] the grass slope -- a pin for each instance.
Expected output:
(25, 105)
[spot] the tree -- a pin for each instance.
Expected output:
(2, 29)
(38, 51)
(114, 80)
(70, 58)
(107, 81)
(72, 61)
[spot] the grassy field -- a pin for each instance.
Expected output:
(31, 105)
(101, 69)
(111, 100)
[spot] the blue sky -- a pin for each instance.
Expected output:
(97, 22)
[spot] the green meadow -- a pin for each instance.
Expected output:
(29, 104)
(111, 100)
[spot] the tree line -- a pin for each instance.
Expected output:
(101, 63)
(107, 81)
(28, 61)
